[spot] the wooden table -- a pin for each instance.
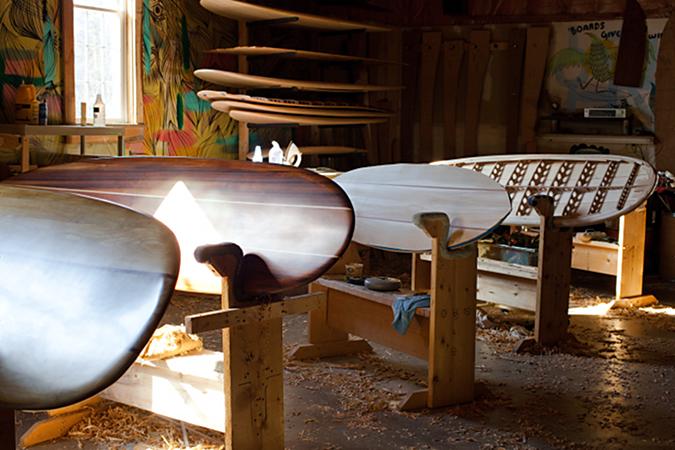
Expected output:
(25, 131)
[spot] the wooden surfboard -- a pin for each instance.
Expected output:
(587, 189)
(386, 198)
(246, 81)
(250, 13)
(291, 224)
(294, 119)
(298, 54)
(213, 96)
(231, 105)
(84, 285)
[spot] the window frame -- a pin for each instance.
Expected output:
(132, 48)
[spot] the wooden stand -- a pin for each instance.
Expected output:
(444, 334)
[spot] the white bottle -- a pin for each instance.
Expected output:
(276, 155)
(99, 112)
(257, 154)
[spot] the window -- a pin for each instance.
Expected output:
(104, 59)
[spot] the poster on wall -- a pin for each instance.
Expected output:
(581, 69)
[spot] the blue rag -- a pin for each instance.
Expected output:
(404, 309)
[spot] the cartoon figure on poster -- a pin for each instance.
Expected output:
(581, 69)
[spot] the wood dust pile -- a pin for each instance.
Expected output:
(117, 426)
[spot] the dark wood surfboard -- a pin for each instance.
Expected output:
(84, 284)
(291, 224)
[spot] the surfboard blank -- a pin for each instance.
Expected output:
(292, 224)
(245, 81)
(385, 199)
(587, 189)
(298, 54)
(213, 96)
(249, 12)
(84, 284)
(230, 105)
(293, 119)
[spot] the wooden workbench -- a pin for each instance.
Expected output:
(25, 131)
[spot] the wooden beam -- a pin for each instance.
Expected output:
(536, 53)
(421, 273)
(431, 46)
(52, 428)
(68, 61)
(514, 79)
(216, 320)
(664, 106)
(453, 56)
(631, 253)
(478, 57)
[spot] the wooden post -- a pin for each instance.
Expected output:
(254, 385)
(7, 429)
(243, 68)
(630, 263)
(25, 153)
(452, 326)
(555, 267)
(421, 274)
(324, 340)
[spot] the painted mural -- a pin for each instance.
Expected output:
(176, 34)
(581, 68)
(30, 52)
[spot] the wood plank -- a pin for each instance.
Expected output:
(595, 258)
(431, 47)
(664, 107)
(630, 264)
(453, 54)
(553, 289)
(411, 58)
(68, 61)
(509, 290)
(517, 39)
(536, 54)
(421, 273)
(216, 320)
(195, 382)
(253, 384)
(52, 428)
(477, 62)
(452, 328)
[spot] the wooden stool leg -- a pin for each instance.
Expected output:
(7, 429)
(324, 340)
(254, 384)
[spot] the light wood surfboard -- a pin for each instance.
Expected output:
(385, 199)
(250, 13)
(291, 224)
(213, 96)
(231, 105)
(298, 54)
(293, 119)
(587, 189)
(245, 81)
(84, 285)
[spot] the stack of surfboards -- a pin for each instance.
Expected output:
(245, 109)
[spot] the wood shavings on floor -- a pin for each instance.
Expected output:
(170, 340)
(117, 426)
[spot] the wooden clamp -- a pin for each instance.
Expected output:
(554, 271)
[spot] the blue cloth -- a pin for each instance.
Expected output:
(404, 310)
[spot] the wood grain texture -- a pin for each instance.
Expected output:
(297, 54)
(664, 107)
(477, 61)
(213, 96)
(587, 189)
(292, 224)
(267, 118)
(536, 53)
(230, 105)
(244, 81)
(89, 282)
(386, 198)
(251, 13)
(431, 48)
(453, 57)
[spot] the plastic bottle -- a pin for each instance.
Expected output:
(257, 154)
(42, 112)
(276, 155)
(99, 112)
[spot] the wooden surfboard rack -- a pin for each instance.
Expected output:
(444, 334)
